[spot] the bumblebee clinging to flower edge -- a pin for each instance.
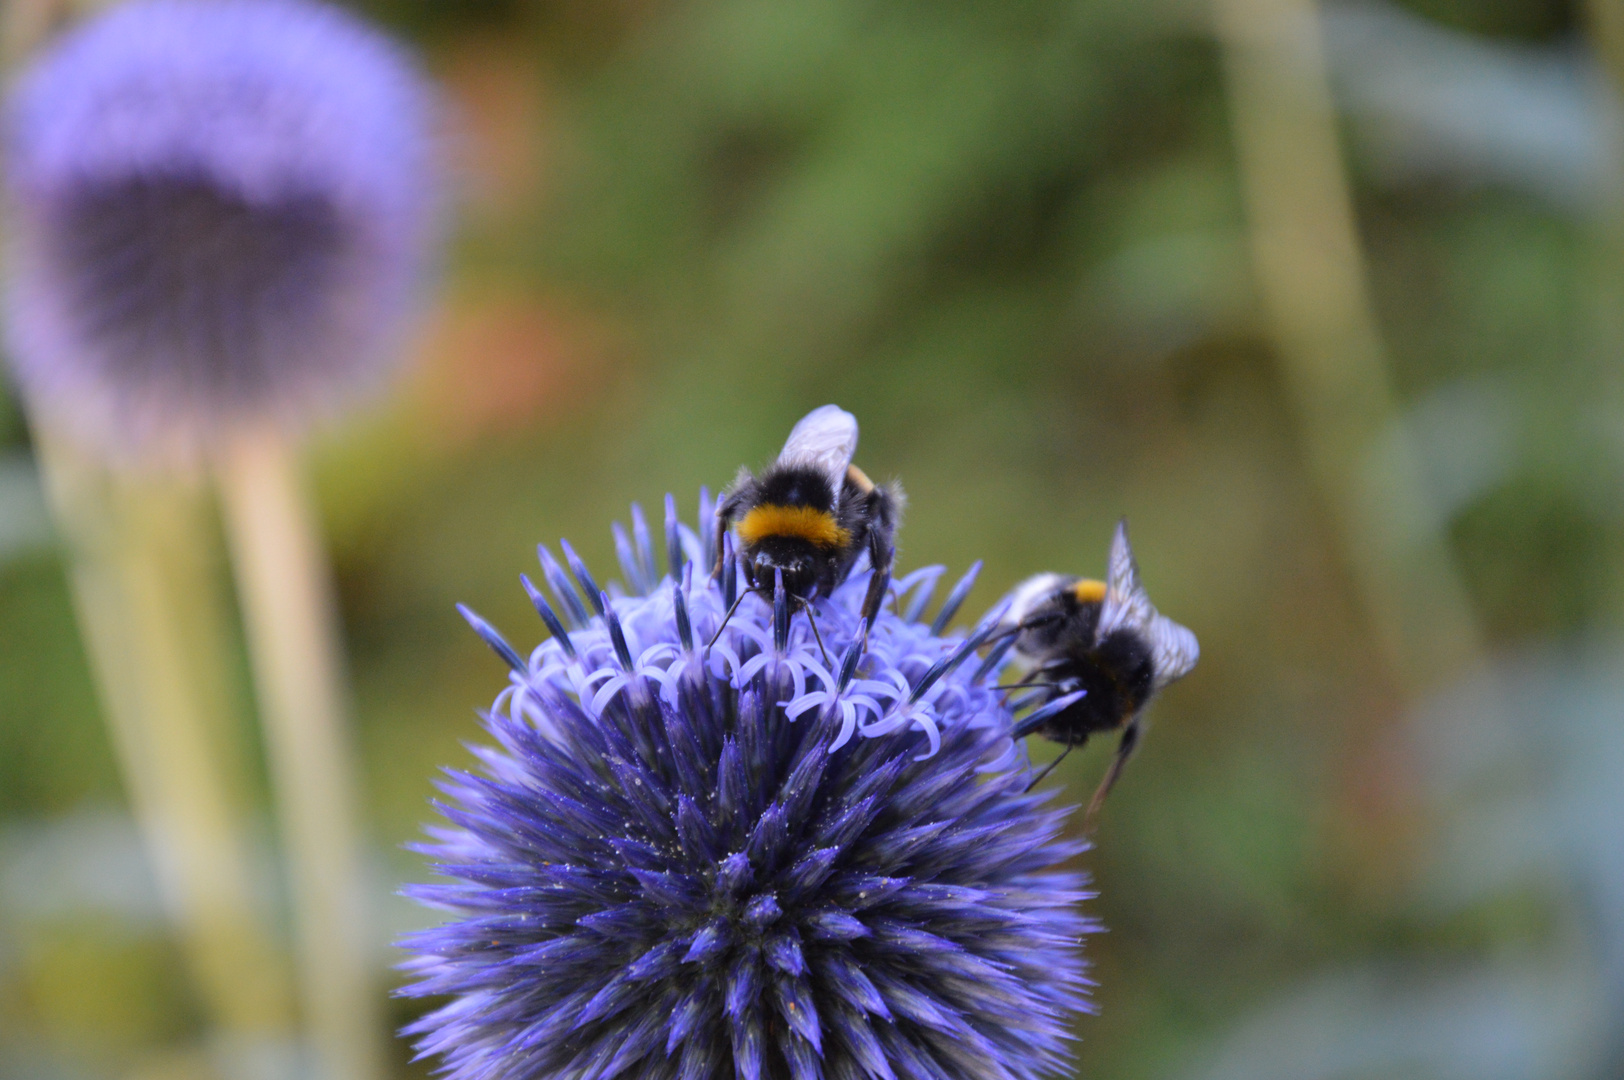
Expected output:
(1103, 638)
(810, 513)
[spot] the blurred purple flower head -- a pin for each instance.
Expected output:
(745, 862)
(221, 215)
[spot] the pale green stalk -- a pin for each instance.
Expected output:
(285, 591)
(1604, 323)
(1311, 277)
(152, 615)
(146, 584)
(142, 560)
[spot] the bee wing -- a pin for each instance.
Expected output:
(824, 440)
(1125, 601)
(1174, 649)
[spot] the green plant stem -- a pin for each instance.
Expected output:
(143, 566)
(284, 588)
(1311, 277)
(1604, 294)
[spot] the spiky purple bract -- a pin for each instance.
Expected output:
(221, 213)
(706, 869)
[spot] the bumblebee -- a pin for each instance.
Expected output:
(810, 514)
(1103, 638)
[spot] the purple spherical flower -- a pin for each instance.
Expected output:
(759, 860)
(220, 210)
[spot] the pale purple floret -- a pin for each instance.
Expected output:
(221, 214)
(663, 873)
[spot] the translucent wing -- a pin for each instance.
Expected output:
(1125, 601)
(824, 440)
(1174, 649)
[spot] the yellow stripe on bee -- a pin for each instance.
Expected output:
(805, 522)
(1089, 591)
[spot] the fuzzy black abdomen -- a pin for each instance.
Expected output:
(789, 485)
(1117, 675)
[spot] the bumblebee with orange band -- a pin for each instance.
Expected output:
(810, 514)
(1103, 638)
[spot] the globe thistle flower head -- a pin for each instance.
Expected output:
(221, 213)
(762, 859)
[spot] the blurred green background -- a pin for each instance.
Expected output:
(1018, 240)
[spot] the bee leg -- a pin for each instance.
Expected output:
(1036, 621)
(724, 518)
(1049, 768)
(726, 619)
(1125, 749)
(880, 555)
(1025, 682)
(812, 619)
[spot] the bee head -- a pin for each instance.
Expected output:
(796, 561)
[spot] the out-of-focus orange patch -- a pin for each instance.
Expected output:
(498, 120)
(503, 362)
(499, 355)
